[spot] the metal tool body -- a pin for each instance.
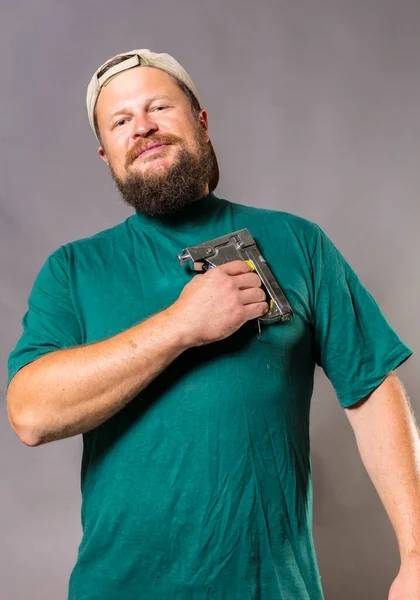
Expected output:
(240, 245)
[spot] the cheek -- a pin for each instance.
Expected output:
(116, 153)
(116, 165)
(181, 126)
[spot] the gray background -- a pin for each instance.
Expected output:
(313, 109)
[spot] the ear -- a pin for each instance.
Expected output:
(102, 154)
(204, 121)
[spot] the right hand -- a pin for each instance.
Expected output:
(215, 304)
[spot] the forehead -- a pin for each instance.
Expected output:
(135, 86)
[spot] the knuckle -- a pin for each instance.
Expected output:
(229, 284)
(217, 274)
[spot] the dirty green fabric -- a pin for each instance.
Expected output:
(201, 487)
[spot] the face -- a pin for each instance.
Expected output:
(144, 107)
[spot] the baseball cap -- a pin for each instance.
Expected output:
(140, 58)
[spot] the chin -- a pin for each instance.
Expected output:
(157, 168)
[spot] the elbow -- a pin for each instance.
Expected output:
(24, 425)
(26, 432)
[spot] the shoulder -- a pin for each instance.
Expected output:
(297, 229)
(100, 244)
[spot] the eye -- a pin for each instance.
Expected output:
(163, 107)
(121, 121)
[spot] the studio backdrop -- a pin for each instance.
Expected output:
(313, 109)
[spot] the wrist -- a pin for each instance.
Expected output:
(179, 328)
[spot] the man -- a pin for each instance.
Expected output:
(196, 476)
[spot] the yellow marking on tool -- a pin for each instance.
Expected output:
(248, 262)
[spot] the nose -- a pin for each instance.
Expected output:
(144, 125)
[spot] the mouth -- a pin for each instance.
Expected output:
(152, 149)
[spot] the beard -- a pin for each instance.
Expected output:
(162, 192)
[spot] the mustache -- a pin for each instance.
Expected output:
(143, 144)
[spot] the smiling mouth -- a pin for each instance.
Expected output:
(152, 150)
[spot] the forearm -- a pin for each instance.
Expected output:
(389, 445)
(71, 391)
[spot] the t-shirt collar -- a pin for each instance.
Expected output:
(194, 215)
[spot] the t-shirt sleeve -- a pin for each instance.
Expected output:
(50, 322)
(354, 344)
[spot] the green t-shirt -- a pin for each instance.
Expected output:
(200, 488)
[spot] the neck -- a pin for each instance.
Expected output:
(194, 215)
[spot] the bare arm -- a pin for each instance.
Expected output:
(71, 391)
(389, 445)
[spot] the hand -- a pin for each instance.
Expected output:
(214, 304)
(406, 585)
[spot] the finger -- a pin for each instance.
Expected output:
(248, 280)
(252, 295)
(235, 267)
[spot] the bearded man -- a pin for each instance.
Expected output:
(196, 472)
